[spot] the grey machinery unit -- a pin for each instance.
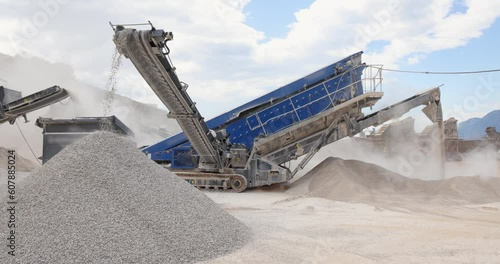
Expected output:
(251, 145)
(13, 105)
(60, 133)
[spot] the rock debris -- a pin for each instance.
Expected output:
(101, 200)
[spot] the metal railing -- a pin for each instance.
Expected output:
(373, 83)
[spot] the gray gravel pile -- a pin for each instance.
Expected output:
(101, 200)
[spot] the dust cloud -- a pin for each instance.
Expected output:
(30, 74)
(409, 158)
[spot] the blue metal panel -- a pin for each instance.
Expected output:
(182, 158)
(297, 108)
(245, 128)
(253, 122)
(280, 123)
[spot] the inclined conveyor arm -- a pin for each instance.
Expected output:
(148, 52)
(20, 107)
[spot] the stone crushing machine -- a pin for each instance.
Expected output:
(253, 144)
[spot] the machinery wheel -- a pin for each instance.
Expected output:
(238, 183)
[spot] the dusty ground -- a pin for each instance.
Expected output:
(290, 229)
(295, 228)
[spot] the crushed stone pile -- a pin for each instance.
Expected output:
(101, 200)
(357, 181)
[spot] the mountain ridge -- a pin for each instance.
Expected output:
(474, 128)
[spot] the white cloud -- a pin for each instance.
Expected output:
(225, 60)
(415, 58)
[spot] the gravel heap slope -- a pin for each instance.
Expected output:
(357, 181)
(22, 164)
(101, 200)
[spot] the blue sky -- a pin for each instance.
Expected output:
(481, 53)
(231, 51)
(273, 17)
(459, 90)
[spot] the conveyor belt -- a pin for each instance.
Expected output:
(30, 103)
(145, 48)
(429, 98)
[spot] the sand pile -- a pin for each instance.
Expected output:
(357, 181)
(101, 200)
(22, 164)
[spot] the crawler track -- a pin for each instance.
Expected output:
(214, 181)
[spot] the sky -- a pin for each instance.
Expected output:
(231, 51)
